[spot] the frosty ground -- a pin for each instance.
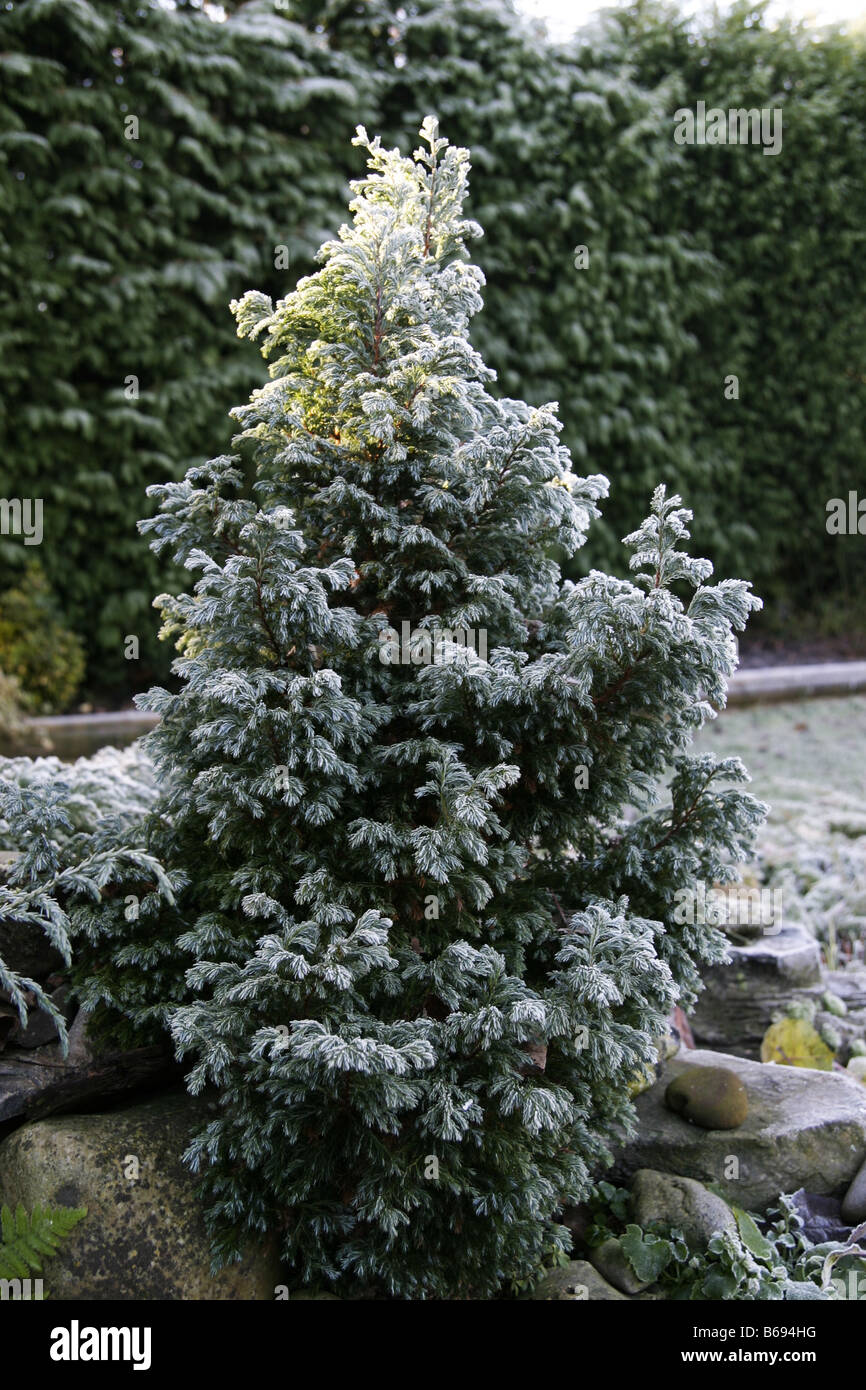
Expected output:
(807, 761)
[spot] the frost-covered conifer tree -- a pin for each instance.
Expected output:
(429, 877)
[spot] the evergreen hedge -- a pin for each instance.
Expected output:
(788, 233)
(119, 256)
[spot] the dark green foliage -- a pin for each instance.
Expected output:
(119, 255)
(703, 262)
(11, 714)
(788, 235)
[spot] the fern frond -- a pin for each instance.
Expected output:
(26, 1240)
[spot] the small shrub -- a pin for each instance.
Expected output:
(113, 782)
(428, 906)
(11, 716)
(36, 650)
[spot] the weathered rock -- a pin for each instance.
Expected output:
(804, 1129)
(41, 1028)
(711, 1097)
(143, 1236)
(739, 999)
(579, 1282)
(681, 1203)
(763, 978)
(8, 1022)
(28, 951)
(849, 986)
(42, 1081)
(610, 1260)
(854, 1205)
(857, 1068)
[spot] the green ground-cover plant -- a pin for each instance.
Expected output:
(113, 782)
(66, 844)
(768, 1257)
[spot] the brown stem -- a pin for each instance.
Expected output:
(684, 819)
(275, 646)
(430, 214)
(377, 326)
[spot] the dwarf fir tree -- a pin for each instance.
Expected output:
(411, 782)
(590, 290)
